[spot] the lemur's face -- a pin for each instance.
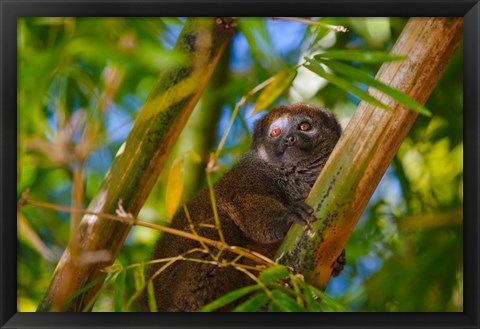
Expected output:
(296, 134)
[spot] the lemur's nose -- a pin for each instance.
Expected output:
(290, 140)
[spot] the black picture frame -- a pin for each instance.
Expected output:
(10, 10)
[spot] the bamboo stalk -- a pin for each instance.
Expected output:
(138, 163)
(367, 147)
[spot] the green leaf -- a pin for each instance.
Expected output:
(360, 56)
(29, 235)
(333, 304)
(273, 273)
(174, 190)
(294, 281)
(320, 33)
(119, 291)
(285, 302)
(280, 82)
(194, 156)
(88, 286)
(363, 77)
(312, 304)
(272, 307)
(139, 277)
(228, 298)
(255, 31)
(152, 302)
(315, 67)
(108, 280)
(253, 303)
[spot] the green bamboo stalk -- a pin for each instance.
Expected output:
(367, 147)
(137, 164)
(200, 131)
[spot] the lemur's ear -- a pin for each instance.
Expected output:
(257, 132)
(331, 121)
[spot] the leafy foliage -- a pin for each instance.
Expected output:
(81, 82)
(278, 290)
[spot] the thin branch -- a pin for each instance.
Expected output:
(239, 104)
(336, 28)
(134, 221)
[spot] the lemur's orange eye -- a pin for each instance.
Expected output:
(305, 126)
(275, 132)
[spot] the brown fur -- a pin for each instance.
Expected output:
(257, 201)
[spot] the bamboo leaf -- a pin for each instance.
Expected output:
(363, 77)
(285, 302)
(296, 289)
(108, 280)
(119, 291)
(312, 304)
(253, 303)
(272, 307)
(91, 284)
(273, 273)
(320, 33)
(27, 233)
(315, 67)
(255, 31)
(360, 56)
(228, 298)
(174, 189)
(152, 302)
(333, 304)
(280, 82)
(139, 277)
(194, 156)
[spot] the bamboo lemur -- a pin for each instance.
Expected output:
(257, 200)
